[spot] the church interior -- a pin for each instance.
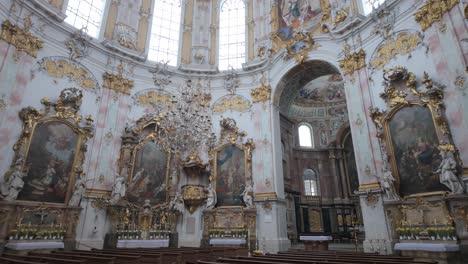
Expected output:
(234, 131)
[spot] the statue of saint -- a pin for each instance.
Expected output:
(14, 183)
(211, 197)
(386, 182)
(177, 203)
(447, 170)
(247, 196)
(79, 190)
(119, 189)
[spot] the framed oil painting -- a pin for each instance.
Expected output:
(150, 171)
(414, 141)
(50, 161)
(230, 175)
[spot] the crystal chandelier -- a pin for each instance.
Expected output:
(187, 120)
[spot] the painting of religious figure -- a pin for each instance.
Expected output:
(293, 14)
(230, 176)
(414, 141)
(149, 177)
(49, 163)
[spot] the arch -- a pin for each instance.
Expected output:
(298, 76)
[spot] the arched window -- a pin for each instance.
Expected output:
(86, 14)
(305, 136)
(165, 31)
(310, 183)
(232, 34)
(370, 5)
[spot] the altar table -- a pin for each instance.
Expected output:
(314, 243)
(227, 241)
(155, 243)
(443, 253)
(28, 245)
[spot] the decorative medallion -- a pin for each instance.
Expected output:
(400, 44)
(21, 38)
(352, 61)
(60, 67)
(433, 11)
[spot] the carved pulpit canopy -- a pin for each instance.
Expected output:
(415, 136)
(50, 152)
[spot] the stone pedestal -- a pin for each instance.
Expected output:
(315, 243)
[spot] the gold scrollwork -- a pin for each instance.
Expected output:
(262, 93)
(341, 15)
(299, 46)
(21, 38)
(399, 44)
(62, 67)
(352, 61)
(234, 103)
(153, 97)
(117, 82)
(433, 11)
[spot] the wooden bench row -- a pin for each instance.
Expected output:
(127, 256)
(308, 257)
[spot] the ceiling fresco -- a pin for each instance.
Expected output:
(328, 89)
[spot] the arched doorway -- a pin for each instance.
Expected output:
(316, 151)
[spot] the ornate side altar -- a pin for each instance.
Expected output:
(42, 190)
(425, 198)
(230, 217)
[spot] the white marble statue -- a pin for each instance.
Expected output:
(211, 197)
(247, 196)
(447, 170)
(177, 203)
(14, 184)
(119, 189)
(78, 191)
(387, 183)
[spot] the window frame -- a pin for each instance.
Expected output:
(372, 8)
(312, 138)
(218, 35)
(101, 27)
(313, 179)
(180, 38)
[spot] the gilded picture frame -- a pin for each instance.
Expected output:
(51, 163)
(141, 150)
(232, 139)
(412, 132)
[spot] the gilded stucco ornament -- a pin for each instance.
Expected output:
(299, 46)
(353, 61)
(402, 89)
(194, 196)
(21, 38)
(398, 44)
(433, 11)
(117, 82)
(153, 97)
(341, 15)
(60, 67)
(262, 93)
(233, 103)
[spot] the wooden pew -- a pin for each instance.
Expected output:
(88, 259)
(119, 259)
(43, 259)
(5, 260)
